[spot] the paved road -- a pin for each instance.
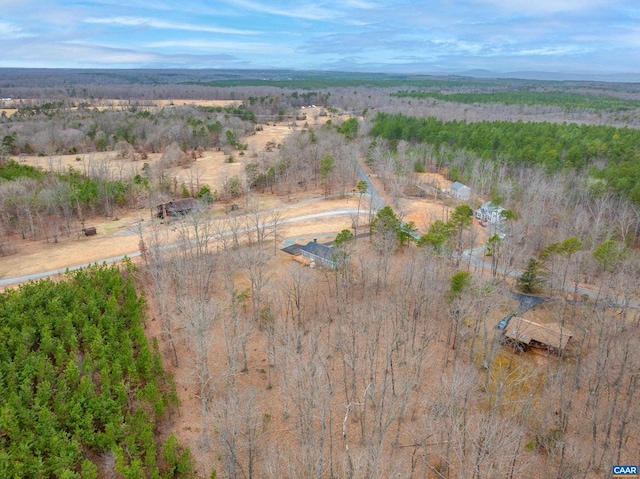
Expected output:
(54, 272)
(471, 255)
(134, 254)
(376, 200)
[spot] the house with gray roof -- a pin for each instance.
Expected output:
(325, 255)
(490, 212)
(460, 191)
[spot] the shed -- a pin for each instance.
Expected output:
(320, 253)
(529, 334)
(460, 191)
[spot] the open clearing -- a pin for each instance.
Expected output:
(116, 236)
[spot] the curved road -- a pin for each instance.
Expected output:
(113, 259)
(471, 255)
(376, 201)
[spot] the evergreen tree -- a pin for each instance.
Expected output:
(532, 278)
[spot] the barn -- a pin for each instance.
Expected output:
(176, 207)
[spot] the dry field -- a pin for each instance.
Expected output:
(117, 236)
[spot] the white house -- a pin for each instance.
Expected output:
(460, 191)
(490, 212)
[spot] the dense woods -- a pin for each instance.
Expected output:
(525, 96)
(611, 154)
(82, 390)
(389, 365)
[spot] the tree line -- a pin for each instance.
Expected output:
(610, 153)
(38, 204)
(52, 129)
(564, 99)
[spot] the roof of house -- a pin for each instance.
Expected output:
(457, 185)
(293, 249)
(190, 202)
(490, 207)
(180, 203)
(525, 331)
(319, 250)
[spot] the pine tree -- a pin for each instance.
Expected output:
(532, 278)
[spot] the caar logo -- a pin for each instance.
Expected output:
(624, 471)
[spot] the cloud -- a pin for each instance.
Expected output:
(545, 7)
(238, 47)
(72, 55)
(550, 51)
(166, 25)
(361, 4)
(296, 10)
(10, 31)
(404, 35)
(84, 55)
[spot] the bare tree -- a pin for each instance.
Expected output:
(154, 249)
(254, 264)
(239, 425)
(235, 325)
(199, 320)
(262, 225)
(229, 232)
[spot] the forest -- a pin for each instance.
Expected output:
(525, 96)
(214, 354)
(610, 154)
(79, 381)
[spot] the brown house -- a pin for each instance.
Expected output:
(176, 207)
(525, 334)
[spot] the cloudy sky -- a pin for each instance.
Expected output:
(429, 36)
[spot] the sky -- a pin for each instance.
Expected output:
(393, 36)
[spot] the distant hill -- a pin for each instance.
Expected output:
(554, 76)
